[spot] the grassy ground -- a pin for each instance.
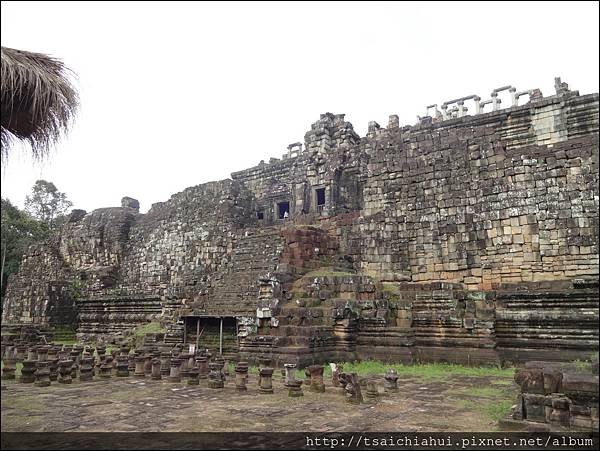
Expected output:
(425, 370)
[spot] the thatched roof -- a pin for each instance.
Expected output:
(38, 101)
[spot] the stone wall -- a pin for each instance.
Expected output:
(499, 197)
(478, 232)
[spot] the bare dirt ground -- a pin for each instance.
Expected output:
(460, 403)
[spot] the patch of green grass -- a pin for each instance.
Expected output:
(582, 365)
(494, 410)
(498, 409)
(390, 287)
(482, 392)
(150, 328)
(424, 370)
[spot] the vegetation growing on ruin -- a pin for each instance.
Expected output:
(151, 328)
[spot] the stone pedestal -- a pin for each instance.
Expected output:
(122, 366)
(391, 381)
(86, 369)
(106, 368)
(52, 352)
(316, 378)
(131, 364)
(74, 357)
(184, 369)
(28, 372)
(202, 365)
(372, 394)
(42, 353)
(42, 374)
(266, 380)
(215, 376)
(352, 387)
(336, 369)
(156, 375)
(32, 353)
(165, 364)
(140, 363)
(290, 373)
(64, 371)
(175, 375)
(192, 361)
(294, 388)
(101, 352)
(147, 365)
(241, 376)
(193, 378)
(21, 350)
(53, 366)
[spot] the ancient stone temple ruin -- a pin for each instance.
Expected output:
(469, 238)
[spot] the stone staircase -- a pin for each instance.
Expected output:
(108, 315)
(235, 292)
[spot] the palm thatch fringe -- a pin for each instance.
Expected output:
(38, 101)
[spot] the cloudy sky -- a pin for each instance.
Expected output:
(178, 94)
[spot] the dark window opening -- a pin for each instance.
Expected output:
(320, 196)
(283, 210)
(260, 214)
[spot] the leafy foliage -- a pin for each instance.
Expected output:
(46, 203)
(19, 231)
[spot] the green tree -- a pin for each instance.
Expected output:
(19, 231)
(46, 203)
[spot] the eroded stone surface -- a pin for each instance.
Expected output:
(127, 404)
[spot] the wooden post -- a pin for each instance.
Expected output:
(221, 337)
(197, 333)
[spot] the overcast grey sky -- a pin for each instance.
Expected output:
(177, 94)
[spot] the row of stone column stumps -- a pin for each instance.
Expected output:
(63, 364)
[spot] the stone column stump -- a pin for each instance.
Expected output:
(165, 364)
(53, 366)
(184, 370)
(28, 372)
(42, 353)
(42, 374)
(241, 376)
(175, 375)
(266, 380)
(316, 378)
(106, 368)
(193, 378)
(123, 366)
(290, 373)
(391, 381)
(64, 371)
(372, 394)
(202, 365)
(156, 366)
(215, 376)
(294, 388)
(9, 369)
(86, 369)
(140, 364)
(147, 364)
(353, 390)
